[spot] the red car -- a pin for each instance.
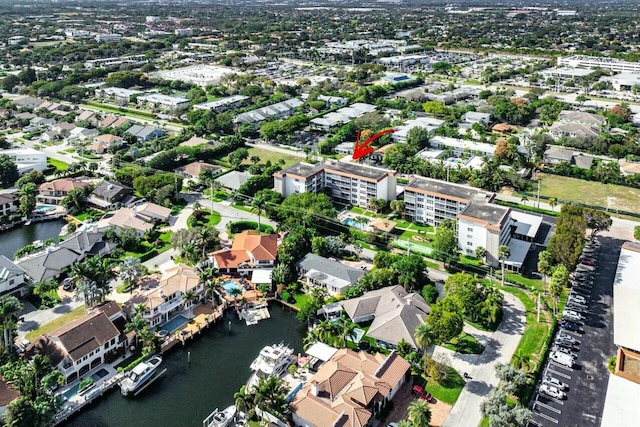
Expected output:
(421, 393)
(587, 261)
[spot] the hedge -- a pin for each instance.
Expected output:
(240, 226)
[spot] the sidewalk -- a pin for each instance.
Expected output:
(499, 347)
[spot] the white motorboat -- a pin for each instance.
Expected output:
(272, 360)
(220, 418)
(140, 376)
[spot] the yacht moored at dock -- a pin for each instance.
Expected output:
(220, 418)
(272, 360)
(141, 376)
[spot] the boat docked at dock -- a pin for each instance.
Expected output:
(220, 418)
(272, 360)
(140, 376)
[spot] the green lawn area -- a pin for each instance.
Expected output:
(56, 323)
(591, 192)
(210, 219)
(58, 164)
(88, 213)
(465, 344)
(406, 225)
(243, 208)
(523, 281)
(446, 392)
(166, 241)
(361, 211)
(415, 247)
(265, 155)
(129, 112)
(301, 299)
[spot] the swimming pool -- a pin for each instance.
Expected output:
(175, 323)
(229, 285)
(44, 208)
(357, 335)
(95, 376)
(354, 223)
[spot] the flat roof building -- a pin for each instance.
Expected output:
(201, 75)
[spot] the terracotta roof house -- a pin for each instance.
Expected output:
(503, 128)
(395, 314)
(111, 195)
(250, 250)
(52, 193)
(105, 142)
(166, 300)
(349, 390)
(332, 275)
(7, 395)
(80, 346)
(193, 170)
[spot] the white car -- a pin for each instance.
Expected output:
(548, 379)
(571, 313)
(565, 350)
(584, 267)
(552, 391)
(562, 359)
(579, 299)
(566, 339)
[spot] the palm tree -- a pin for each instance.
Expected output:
(419, 413)
(137, 324)
(521, 361)
(211, 290)
(503, 254)
(424, 336)
(310, 339)
(346, 329)
(197, 207)
(9, 307)
(270, 395)
(188, 297)
(553, 203)
(130, 272)
(244, 401)
(258, 203)
(326, 330)
(524, 199)
(139, 309)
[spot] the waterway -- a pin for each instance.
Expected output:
(12, 240)
(187, 394)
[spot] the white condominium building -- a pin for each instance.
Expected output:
(347, 183)
(613, 64)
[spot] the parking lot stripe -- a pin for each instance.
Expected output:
(546, 417)
(560, 374)
(557, 365)
(551, 408)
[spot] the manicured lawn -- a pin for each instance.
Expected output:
(523, 281)
(448, 391)
(265, 155)
(166, 241)
(591, 192)
(465, 344)
(360, 211)
(58, 164)
(56, 323)
(301, 299)
(210, 219)
(129, 112)
(88, 213)
(243, 208)
(414, 247)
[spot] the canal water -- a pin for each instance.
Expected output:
(187, 394)
(12, 240)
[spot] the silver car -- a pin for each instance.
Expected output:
(552, 381)
(552, 391)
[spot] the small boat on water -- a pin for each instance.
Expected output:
(220, 418)
(272, 360)
(140, 376)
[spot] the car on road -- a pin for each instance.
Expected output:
(578, 299)
(562, 359)
(552, 381)
(570, 326)
(551, 391)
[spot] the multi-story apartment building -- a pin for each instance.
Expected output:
(348, 183)
(582, 61)
(430, 201)
(484, 225)
(27, 159)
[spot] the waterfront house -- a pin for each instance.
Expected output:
(11, 278)
(332, 275)
(167, 299)
(250, 250)
(53, 192)
(350, 389)
(8, 204)
(80, 346)
(111, 195)
(393, 312)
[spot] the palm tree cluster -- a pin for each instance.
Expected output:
(130, 271)
(144, 338)
(268, 395)
(36, 380)
(193, 243)
(332, 332)
(212, 285)
(91, 278)
(10, 306)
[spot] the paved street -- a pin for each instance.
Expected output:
(499, 347)
(588, 378)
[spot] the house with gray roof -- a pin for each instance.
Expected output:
(332, 275)
(145, 133)
(393, 312)
(11, 278)
(233, 180)
(111, 195)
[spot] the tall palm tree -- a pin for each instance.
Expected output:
(258, 203)
(10, 306)
(211, 290)
(346, 329)
(419, 413)
(424, 336)
(137, 324)
(188, 297)
(310, 339)
(130, 272)
(270, 395)
(503, 254)
(521, 361)
(244, 400)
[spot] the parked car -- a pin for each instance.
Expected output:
(571, 318)
(567, 339)
(578, 299)
(562, 359)
(552, 391)
(584, 268)
(587, 261)
(565, 350)
(578, 309)
(570, 326)
(421, 393)
(585, 292)
(552, 381)
(67, 284)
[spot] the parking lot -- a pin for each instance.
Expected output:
(586, 380)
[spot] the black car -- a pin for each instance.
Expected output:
(570, 326)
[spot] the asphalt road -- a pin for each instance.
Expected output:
(588, 378)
